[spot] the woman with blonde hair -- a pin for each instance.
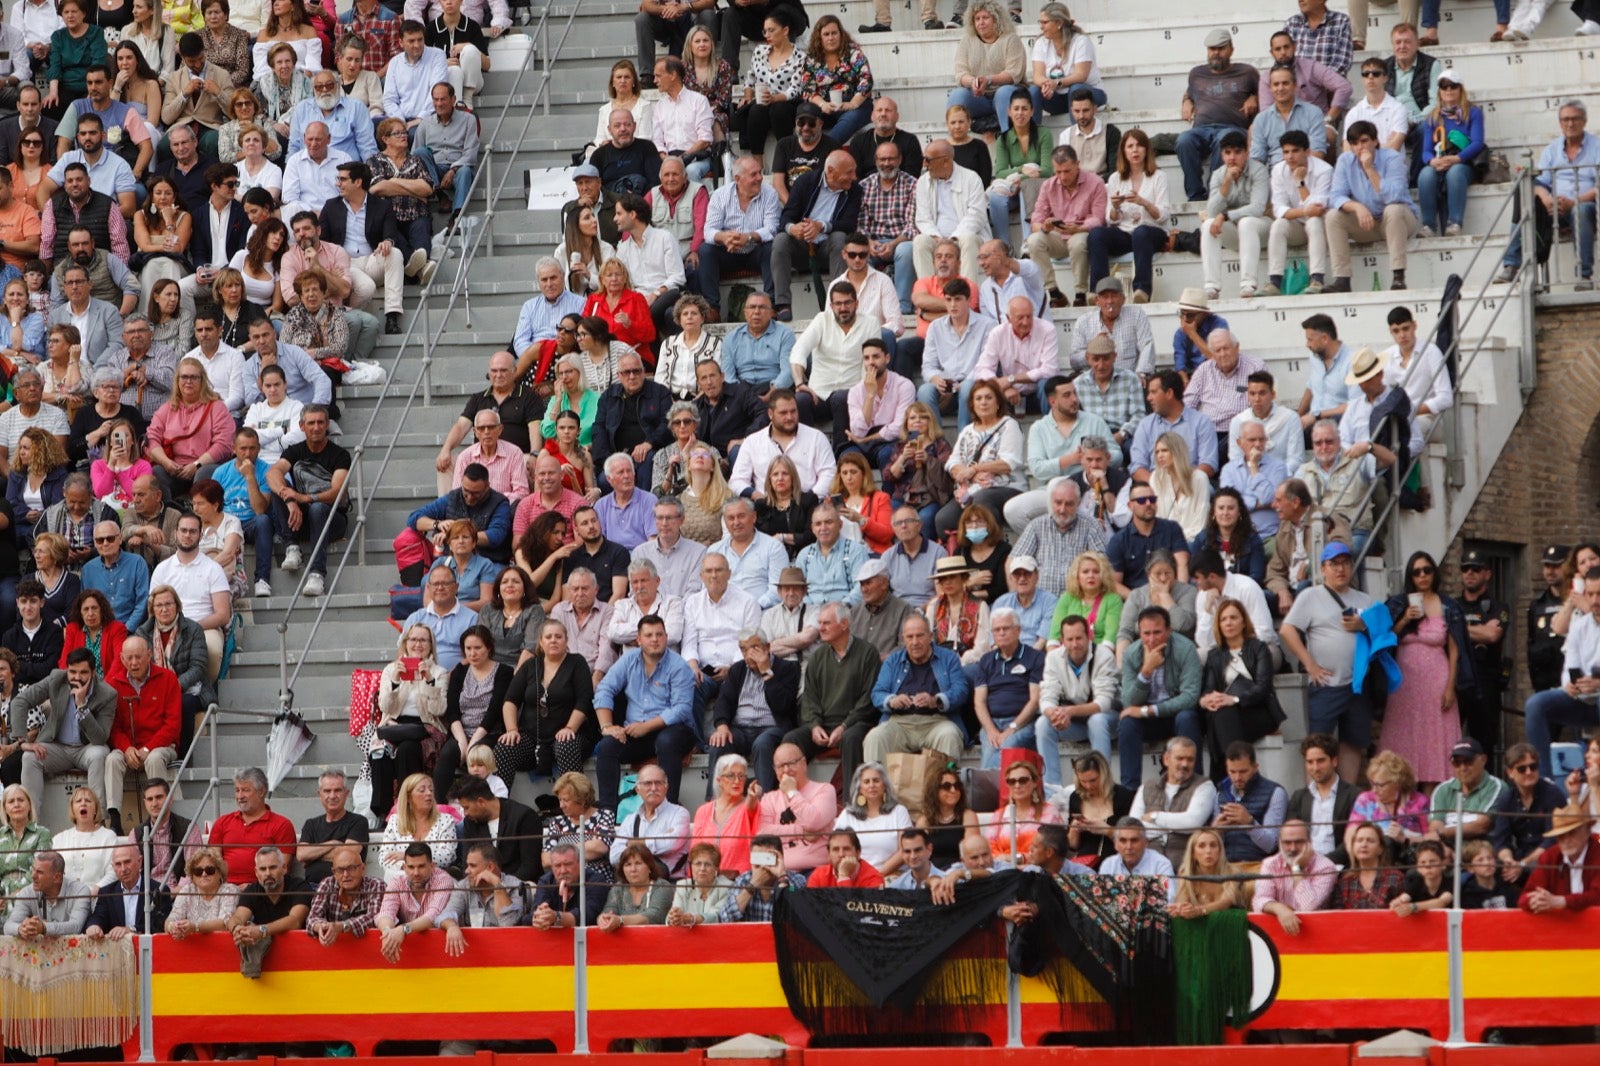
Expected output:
(1023, 808)
(1205, 858)
(1092, 595)
(624, 310)
(784, 512)
(991, 66)
(87, 845)
(579, 816)
(1137, 208)
(243, 111)
(20, 837)
(704, 495)
(254, 162)
(411, 707)
(915, 476)
(1392, 804)
(38, 473)
(417, 818)
(204, 899)
(1183, 493)
(191, 430)
(864, 507)
(1452, 144)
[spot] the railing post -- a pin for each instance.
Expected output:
(1458, 1013)
(1526, 290)
(580, 952)
(361, 504)
(147, 1036)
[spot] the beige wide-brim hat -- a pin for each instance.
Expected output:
(1364, 365)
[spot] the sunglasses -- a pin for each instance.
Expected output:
(1448, 85)
(949, 786)
(1141, 499)
(1372, 73)
(1525, 768)
(107, 540)
(1019, 780)
(683, 422)
(204, 871)
(1473, 569)
(1422, 571)
(855, 255)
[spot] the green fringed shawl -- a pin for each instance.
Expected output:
(1212, 978)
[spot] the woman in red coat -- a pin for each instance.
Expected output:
(90, 624)
(624, 310)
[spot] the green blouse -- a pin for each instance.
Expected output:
(1009, 156)
(657, 902)
(588, 403)
(1103, 622)
(16, 857)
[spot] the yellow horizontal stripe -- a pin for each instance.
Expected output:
(490, 990)
(1539, 974)
(1364, 976)
(698, 986)
(1035, 991)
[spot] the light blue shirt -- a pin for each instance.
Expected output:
(236, 494)
(1024, 281)
(757, 571)
(1350, 182)
(1326, 383)
(408, 87)
(539, 317)
(305, 379)
(1154, 864)
(112, 174)
(822, 210)
(947, 355)
(1269, 125)
(127, 585)
(1568, 183)
(759, 360)
(447, 630)
(760, 218)
(1198, 431)
(1258, 489)
(832, 576)
(668, 692)
(905, 880)
(629, 526)
(1035, 617)
(349, 127)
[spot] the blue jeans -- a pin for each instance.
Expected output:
(929, 395)
(1060, 101)
(1339, 711)
(845, 124)
(1547, 712)
(904, 272)
(983, 107)
(1133, 732)
(1199, 148)
(463, 179)
(1096, 729)
(1430, 13)
(1542, 226)
(714, 258)
(1000, 209)
(1443, 198)
(316, 516)
(1143, 242)
(1022, 738)
(756, 745)
(260, 531)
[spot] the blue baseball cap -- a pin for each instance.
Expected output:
(1334, 550)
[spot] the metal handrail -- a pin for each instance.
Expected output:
(1523, 291)
(361, 494)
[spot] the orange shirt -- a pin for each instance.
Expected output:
(18, 222)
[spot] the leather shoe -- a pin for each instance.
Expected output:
(1058, 298)
(876, 27)
(391, 323)
(1337, 285)
(783, 314)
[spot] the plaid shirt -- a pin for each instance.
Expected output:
(1121, 404)
(759, 909)
(1329, 44)
(887, 214)
(381, 32)
(1220, 396)
(1055, 548)
(357, 917)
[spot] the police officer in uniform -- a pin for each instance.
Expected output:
(1488, 621)
(1546, 650)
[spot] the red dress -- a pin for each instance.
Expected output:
(642, 328)
(571, 476)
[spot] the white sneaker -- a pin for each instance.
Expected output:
(414, 264)
(1589, 28)
(425, 277)
(292, 559)
(263, 587)
(1247, 292)
(313, 584)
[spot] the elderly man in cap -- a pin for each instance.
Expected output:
(876, 619)
(1320, 632)
(791, 623)
(1127, 327)
(1221, 96)
(1377, 418)
(1477, 790)
(1567, 875)
(1196, 320)
(586, 180)
(1033, 607)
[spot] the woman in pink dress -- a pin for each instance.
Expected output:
(1423, 722)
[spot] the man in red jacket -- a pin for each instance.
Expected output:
(1567, 876)
(144, 734)
(846, 868)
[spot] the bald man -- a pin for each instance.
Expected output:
(822, 212)
(144, 734)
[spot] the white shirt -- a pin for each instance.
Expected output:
(625, 614)
(195, 582)
(711, 628)
(219, 235)
(965, 205)
(810, 451)
(1241, 587)
(1080, 50)
(226, 373)
(665, 833)
(1323, 840)
(408, 87)
(309, 184)
(1285, 438)
(834, 353)
(36, 21)
(653, 264)
(1389, 116)
(1583, 645)
(277, 427)
(679, 124)
(1152, 864)
(1286, 191)
(876, 298)
(1425, 381)
(1202, 801)
(355, 230)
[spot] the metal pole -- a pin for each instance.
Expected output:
(147, 1036)
(580, 952)
(1013, 981)
(361, 506)
(1458, 1013)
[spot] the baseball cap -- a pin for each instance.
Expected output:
(872, 568)
(1334, 550)
(1022, 562)
(585, 170)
